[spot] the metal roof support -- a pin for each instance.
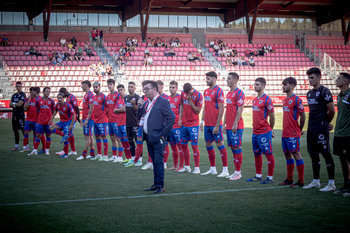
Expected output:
(346, 36)
(46, 20)
(251, 31)
(144, 31)
(246, 16)
(141, 20)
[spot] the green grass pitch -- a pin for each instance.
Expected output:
(47, 194)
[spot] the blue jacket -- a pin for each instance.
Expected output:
(160, 120)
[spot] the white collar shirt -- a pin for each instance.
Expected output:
(148, 111)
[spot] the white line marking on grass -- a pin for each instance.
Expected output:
(140, 196)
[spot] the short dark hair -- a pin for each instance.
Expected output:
(45, 88)
(159, 82)
(120, 86)
(212, 74)
(131, 83)
(153, 84)
(290, 80)
(37, 90)
(174, 83)
(345, 75)
(62, 94)
(314, 70)
(261, 79)
(111, 81)
(87, 82)
(19, 82)
(31, 88)
(144, 82)
(234, 75)
(187, 87)
(64, 91)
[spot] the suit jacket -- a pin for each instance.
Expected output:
(160, 120)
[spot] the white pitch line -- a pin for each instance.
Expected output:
(138, 197)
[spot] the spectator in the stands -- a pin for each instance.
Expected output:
(59, 61)
(92, 68)
(128, 41)
(100, 37)
(30, 51)
(94, 35)
(110, 30)
(63, 42)
(229, 61)
(120, 62)
(109, 70)
(216, 48)
(71, 47)
(86, 45)
(244, 61)
(150, 61)
(234, 52)
(50, 56)
(211, 43)
(134, 42)
(172, 51)
(167, 52)
(147, 51)
(53, 61)
(78, 54)
(61, 54)
(115, 56)
(191, 57)
(149, 42)
(199, 50)
(200, 57)
(74, 41)
(37, 51)
(251, 61)
(67, 55)
(5, 41)
(220, 53)
(89, 51)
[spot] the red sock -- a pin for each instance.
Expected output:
(99, 146)
(114, 151)
(196, 155)
(138, 152)
(25, 141)
(58, 132)
(175, 154)
(105, 147)
(186, 152)
(149, 159)
(34, 138)
(270, 164)
(120, 152)
(48, 143)
(127, 151)
(182, 156)
(300, 168)
(36, 144)
(258, 164)
(223, 153)
(166, 154)
(84, 153)
(239, 159)
(43, 142)
(290, 169)
(211, 153)
(65, 148)
(71, 141)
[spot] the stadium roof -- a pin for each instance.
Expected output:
(322, 11)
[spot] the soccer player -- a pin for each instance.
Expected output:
(45, 106)
(120, 110)
(292, 131)
(17, 101)
(132, 121)
(66, 123)
(212, 116)
(72, 100)
(165, 96)
(322, 111)
(100, 123)
(191, 106)
(263, 132)
(341, 142)
(87, 120)
(112, 100)
(32, 114)
(233, 122)
(175, 104)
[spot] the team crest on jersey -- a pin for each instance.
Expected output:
(212, 92)
(64, 108)
(49, 102)
(175, 99)
(114, 97)
(193, 97)
(290, 101)
(194, 130)
(99, 98)
(321, 137)
(317, 93)
(233, 95)
(260, 101)
(346, 97)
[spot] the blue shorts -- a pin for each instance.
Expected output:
(262, 143)
(175, 136)
(113, 129)
(88, 128)
(189, 134)
(64, 127)
(122, 133)
(291, 144)
(29, 126)
(101, 129)
(210, 137)
(41, 129)
(234, 140)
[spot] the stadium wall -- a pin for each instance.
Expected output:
(258, 39)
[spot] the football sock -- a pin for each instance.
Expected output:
(25, 140)
(48, 143)
(132, 147)
(223, 154)
(186, 153)
(239, 159)
(166, 154)
(36, 143)
(126, 147)
(105, 147)
(196, 155)
(114, 151)
(16, 137)
(43, 141)
(182, 156)
(138, 152)
(211, 154)
(84, 153)
(92, 152)
(270, 164)
(71, 141)
(316, 165)
(258, 164)
(58, 132)
(300, 168)
(120, 152)
(290, 169)
(99, 146)
(330, 164)
(65, 148)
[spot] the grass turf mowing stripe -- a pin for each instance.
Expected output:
(140, 196)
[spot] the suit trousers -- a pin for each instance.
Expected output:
(156, 152)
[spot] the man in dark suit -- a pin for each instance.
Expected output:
(157, 121)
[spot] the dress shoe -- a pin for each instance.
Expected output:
(159, 190)
(152, 188)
